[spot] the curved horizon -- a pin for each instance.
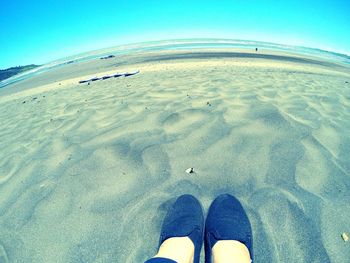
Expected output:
(45, 31)
(197, 40)
(201, 39)
(237, 47)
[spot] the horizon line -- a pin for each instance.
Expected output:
(335, 52)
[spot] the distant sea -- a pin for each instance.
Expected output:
(177, 44)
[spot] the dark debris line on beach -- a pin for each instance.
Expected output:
(108, 57)
(126, 74)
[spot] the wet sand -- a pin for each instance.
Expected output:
(88, 171)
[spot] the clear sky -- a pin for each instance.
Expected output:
(40, 31)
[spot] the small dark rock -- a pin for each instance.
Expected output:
(34, 98)
(346, 82)
(23, 102)
(208, 103)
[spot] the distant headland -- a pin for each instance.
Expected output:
(6, 73)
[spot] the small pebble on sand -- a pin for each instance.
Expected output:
(345, 237)
(190, 170)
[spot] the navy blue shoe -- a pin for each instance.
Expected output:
(185, 218)
(227, 220)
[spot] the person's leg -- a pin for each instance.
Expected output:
(182, 232)
(228, 236)
(179, 249)
(230, 251)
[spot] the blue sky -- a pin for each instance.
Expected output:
(40, 31)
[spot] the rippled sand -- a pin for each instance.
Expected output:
(88, 171)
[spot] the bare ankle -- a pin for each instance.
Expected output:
(179, 249)
(228, 251)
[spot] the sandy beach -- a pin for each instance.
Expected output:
(87, 172)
